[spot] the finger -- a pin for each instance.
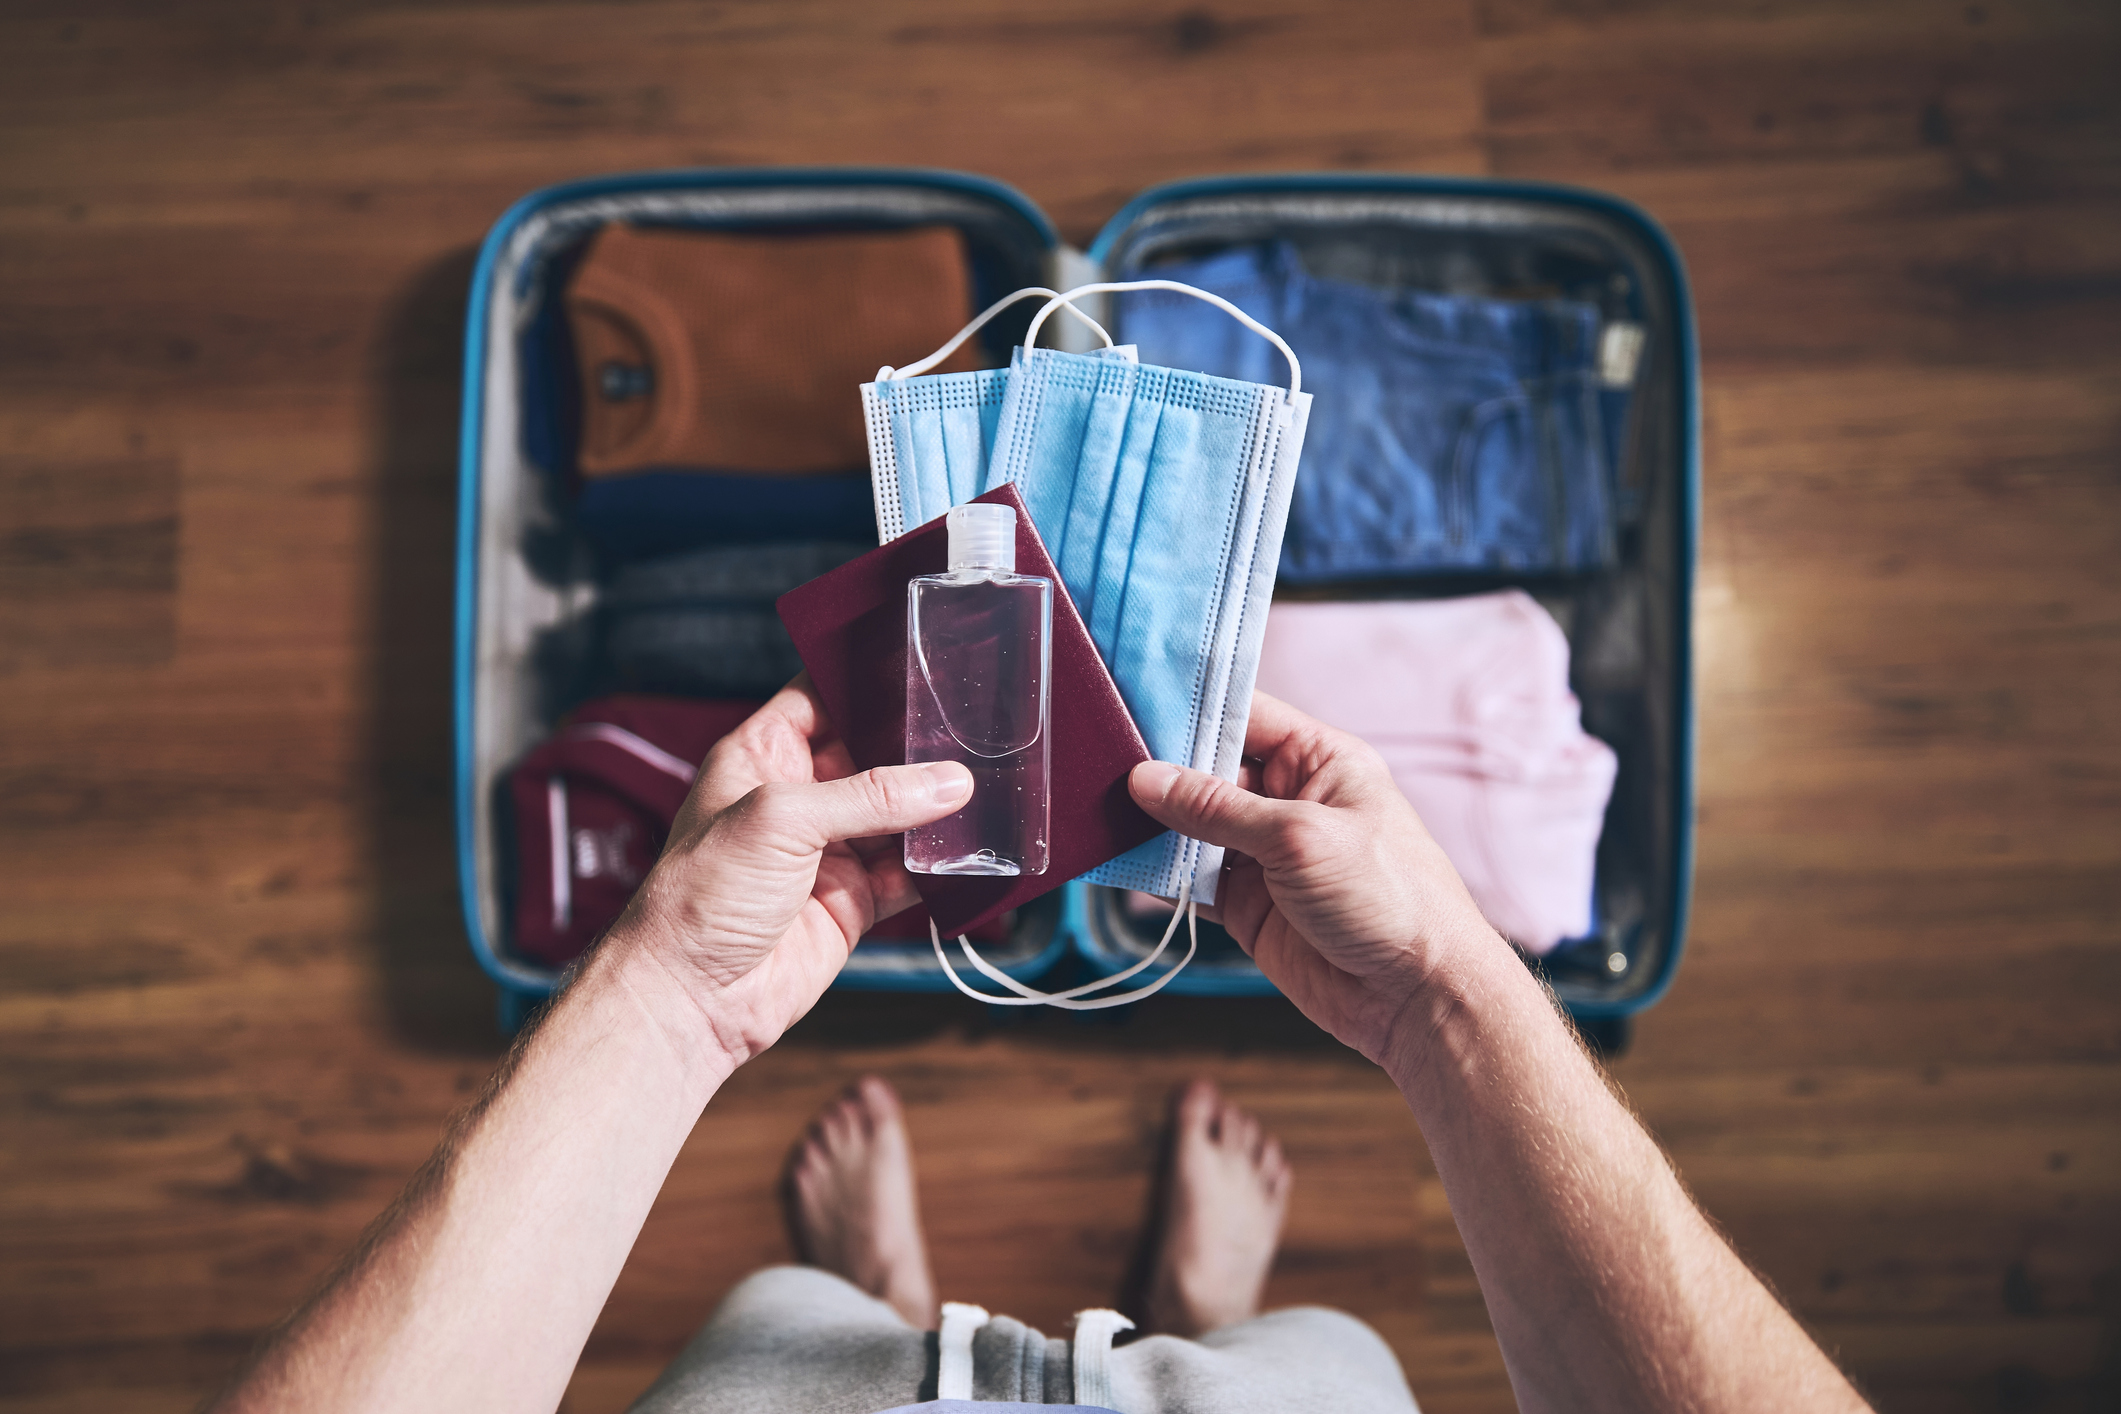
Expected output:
(1272, 723)
(1211, 808)
(877, 802)
(798, 705)
(1244, 901)
(789, 738)
(891, 888)
(829, 761)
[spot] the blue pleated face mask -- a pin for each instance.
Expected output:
(1161, 496)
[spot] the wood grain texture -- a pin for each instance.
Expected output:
(235, 1003)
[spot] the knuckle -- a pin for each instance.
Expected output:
(1211, 796)
(883, 790)
(768, 808)
(1305, 837)
(768, 800)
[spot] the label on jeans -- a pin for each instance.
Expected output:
(1620, 353)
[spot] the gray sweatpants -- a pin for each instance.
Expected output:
(791, 1339)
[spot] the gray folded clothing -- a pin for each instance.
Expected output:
(702, 623)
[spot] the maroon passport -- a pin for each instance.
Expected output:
(850, 627)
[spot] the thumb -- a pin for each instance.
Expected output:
(881, 801)
(1209, 807)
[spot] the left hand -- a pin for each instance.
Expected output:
(781, 859)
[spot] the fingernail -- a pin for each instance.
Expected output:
(1153, 779)
(947, 781)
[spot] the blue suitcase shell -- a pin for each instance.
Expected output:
(525, 594)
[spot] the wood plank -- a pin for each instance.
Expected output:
(235, 1004)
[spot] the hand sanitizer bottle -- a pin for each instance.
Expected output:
(978, 656)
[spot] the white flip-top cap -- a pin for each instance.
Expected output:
(983, 537)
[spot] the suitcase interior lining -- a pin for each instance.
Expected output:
(1623, 624)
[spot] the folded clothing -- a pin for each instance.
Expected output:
(1449, 433)
(668, 512)
(703, 623)
(743, 353)
(1468, 701)
(594, 803)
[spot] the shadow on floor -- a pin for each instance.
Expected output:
(1230, 1026)
(434, 993)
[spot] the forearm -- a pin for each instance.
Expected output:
(479, 1288)
(1606, 1286)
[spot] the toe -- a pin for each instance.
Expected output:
(809, 1150)
(1274, 1167)
(876, 1092)
(875, 1105)
(1198, 1103)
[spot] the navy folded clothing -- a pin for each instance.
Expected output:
(703, 623)
(666, 512)
(1450, 434)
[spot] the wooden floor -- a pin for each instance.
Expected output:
(235, 1000)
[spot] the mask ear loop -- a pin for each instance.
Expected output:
(1068, 1000)
(914, 370)
(1296, 372)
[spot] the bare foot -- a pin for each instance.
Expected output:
(851, 1206)
(1225, 1196)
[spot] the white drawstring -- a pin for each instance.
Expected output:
(1093, 1355)
(953, 1373)
(1296, 373)
(914, 370)
(1068, 1000)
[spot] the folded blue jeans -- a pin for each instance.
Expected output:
(1450, 433)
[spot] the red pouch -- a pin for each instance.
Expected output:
(593, 804)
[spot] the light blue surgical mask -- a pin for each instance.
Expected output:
(929, 437)
(1161, 496)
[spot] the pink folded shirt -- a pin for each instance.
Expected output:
(1468, 701)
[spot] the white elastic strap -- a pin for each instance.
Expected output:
(649, 753)
(914, 370)
(1296, 372)
(1093, 1355)
(1069, 1000)
(562, 861)
(953, 1369)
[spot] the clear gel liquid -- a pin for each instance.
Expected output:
(977, 659)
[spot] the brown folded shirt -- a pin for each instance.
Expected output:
(746, 353)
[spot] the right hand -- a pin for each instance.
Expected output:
(1333, 886)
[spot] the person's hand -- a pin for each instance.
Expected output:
(781, 859)
(1333, 885)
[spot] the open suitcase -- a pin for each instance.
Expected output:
(527, 589)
